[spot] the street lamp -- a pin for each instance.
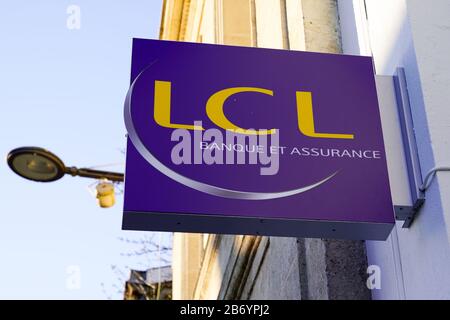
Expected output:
(41, 165)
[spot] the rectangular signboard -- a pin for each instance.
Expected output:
(238, 140)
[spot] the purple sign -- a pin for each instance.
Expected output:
(237, 140)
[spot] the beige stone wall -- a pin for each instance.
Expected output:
(321, 25)
(186, 262)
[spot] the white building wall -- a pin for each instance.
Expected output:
(412, 34)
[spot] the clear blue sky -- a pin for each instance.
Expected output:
(63, 90)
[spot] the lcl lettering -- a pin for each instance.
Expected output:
(214, 110)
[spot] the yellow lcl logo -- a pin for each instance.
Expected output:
(214, 110)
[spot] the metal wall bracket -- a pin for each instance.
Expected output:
(408, 213)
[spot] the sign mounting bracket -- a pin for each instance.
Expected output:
(407, 213)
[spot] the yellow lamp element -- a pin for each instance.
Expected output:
(105, 194)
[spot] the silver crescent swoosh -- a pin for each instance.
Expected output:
(197, 185)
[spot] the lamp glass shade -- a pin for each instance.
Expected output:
(36, 164)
